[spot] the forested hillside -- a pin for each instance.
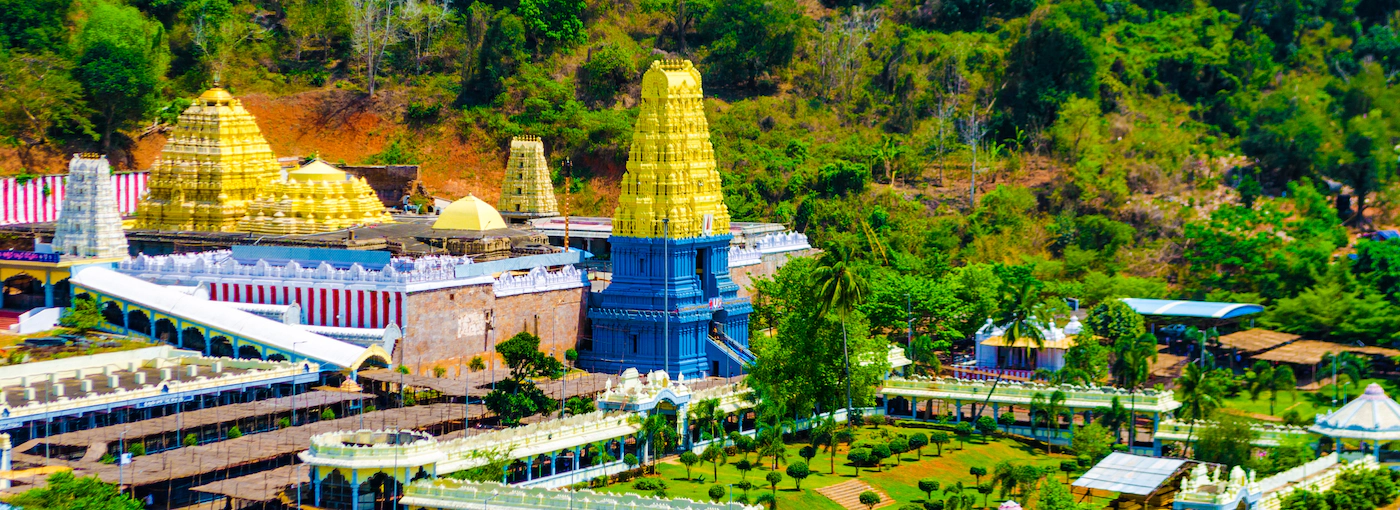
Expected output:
(1148, 147)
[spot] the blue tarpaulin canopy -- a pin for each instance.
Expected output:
(1205, 309)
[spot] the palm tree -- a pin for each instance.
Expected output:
(1038, 402)
(1346, 365)
(709, 417)
(661, 435)
(1264, 377)
(1022, 302)
(1053, 406)
(840, 288)
(1201, 395)
(1113, 418)
(824, 436)
(1132, 366)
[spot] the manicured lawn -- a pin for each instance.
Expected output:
(1307, 403)
(900, 482)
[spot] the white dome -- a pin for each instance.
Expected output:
(1372, 415)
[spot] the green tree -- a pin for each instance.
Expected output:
(751, 38)
(1054, 61)
(798, 471)
(682, 13)
(963, 430)
(120, 60)
(714, 454)
(1093, 440)
(82, 316)
(1264, 377)
(38, 96)
(36, 26)
(1024, 306)
(190, 440)
(1054, 496)
(689, 459)
(928, 486)
(985, 489)
(869, 499)
(977, 472)
(1133, 358)
(631, 461)
(517, 396)
(234, 432)
(858, 457)
(878, 453)
(327, 414)
(1113, 418)
(1367, 161)
(1229, 442)
(555, 23)
(1112, 320)
(939, 439)
(1288, 135)
(65, 491)
(716, 492)
(917, 442)
(744, 466)
(986, 425)
(1200, 393)
(773, 478)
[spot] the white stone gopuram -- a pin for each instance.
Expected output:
(89, 224)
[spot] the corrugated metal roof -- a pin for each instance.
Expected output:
(1175, 308)
(1131, 474)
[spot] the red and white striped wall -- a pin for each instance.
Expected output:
(41, 198)
(346, 308)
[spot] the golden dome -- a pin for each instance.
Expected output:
(469, 213)
(215, 94)
(317, 171)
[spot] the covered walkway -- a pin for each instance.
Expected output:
(137, 307)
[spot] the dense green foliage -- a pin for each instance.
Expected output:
(1106, 134)
(65, 491)
(517, 396)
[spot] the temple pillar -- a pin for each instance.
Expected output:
(48, 289)
(354, 489)
(958, 403)
(553, 463)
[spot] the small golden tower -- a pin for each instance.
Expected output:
(212, 165)
(314, 198)
(527, 191)
(671, 167)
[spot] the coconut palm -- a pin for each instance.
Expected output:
(661, 435)
(1264, 377)
(1348, 366)
(709, 418)
(824, 436)
(840, 287)
(1132, 366)
(1022, 302)
(1201, 394)
(1113, 418)
(1053, 405)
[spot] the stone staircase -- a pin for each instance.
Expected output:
(8, 318)
(847, 494)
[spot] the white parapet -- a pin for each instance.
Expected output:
(458, 494)
(1270, 435)
(540, 279)
(1021, 393)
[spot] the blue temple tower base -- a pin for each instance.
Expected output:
(671, 306)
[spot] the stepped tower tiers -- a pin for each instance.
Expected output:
(89, 224)
(671, 304)
(211, 168)
(315, 198)
(528, 191)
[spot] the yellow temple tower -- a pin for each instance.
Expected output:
(314, 198)
(528, 191)
(211, 167)
(671, 167)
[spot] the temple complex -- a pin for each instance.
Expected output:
(211, 168)
(681, 313)
(90, 225)
(314, 198)
(528, 191)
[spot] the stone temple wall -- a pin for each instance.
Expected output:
(448, 326)
(389, 182)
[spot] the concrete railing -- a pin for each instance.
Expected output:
(448, 493)
(222, 263)
(1021, 393)
(1270, 435)
(540, 279)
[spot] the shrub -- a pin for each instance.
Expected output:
(327, 414)
(689, 460)
(858, 456)
(283, 423)
(439, 372)
(898, 446)
(234, 432)
(606, 71)
(716, 492)
(927, 486)
(648, 484)
(136, 449)
(798, 471)
(417, 112)
(878, 454)
(773, 477)
(476, 364)
(190, 440)
(630, 460)
(911, 506)
(874, 420)
(869, 499)
(917, 442)
(571, 355)
(601, 481)
(933, 505)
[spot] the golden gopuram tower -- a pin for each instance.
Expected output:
(528, 191)
(211, 168)
(671, 167)
(312, 199)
